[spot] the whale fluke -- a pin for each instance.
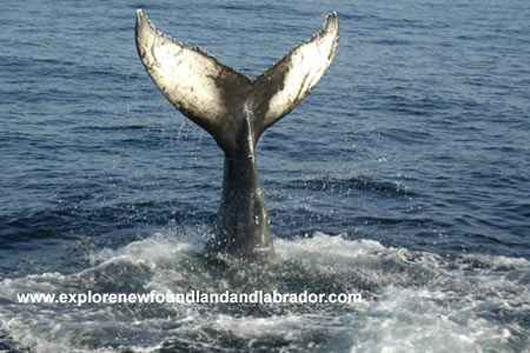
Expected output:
(285, 85)
(236, 111)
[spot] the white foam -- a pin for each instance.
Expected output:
(421, 302)
(323, 245)
(444, 312)
(252, 328)
(46, 282)
(158, 248)
(410, 320)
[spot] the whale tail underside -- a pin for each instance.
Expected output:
(214, 96)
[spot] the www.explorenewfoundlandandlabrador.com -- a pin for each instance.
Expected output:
(191, 297)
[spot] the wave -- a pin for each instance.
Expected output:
(412, 299)
(348, 185)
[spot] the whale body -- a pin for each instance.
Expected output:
(236, 111)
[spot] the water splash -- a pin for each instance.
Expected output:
(414, 301)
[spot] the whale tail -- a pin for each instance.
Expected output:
(223, 101)
(236, 111)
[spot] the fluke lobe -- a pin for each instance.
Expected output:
(236, 111)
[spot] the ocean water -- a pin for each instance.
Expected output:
(405, 176)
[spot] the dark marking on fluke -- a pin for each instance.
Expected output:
(236, 111)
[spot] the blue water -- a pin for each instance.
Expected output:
(404, 176)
